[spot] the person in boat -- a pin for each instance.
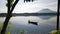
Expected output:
(30, 22)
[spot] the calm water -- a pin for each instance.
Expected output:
(45, 24)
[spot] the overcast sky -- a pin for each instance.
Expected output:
(30, 7)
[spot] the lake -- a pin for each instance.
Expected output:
(20, 23)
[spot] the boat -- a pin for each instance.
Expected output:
(31, 22)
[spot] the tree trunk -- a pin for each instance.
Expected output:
(57, 27)
(9, 14)
(5, 24)
(58, 16)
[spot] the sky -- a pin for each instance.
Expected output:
(30, 7)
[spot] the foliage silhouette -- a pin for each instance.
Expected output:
(11, 3)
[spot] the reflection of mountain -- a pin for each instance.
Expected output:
(46, 11)
(45, 17)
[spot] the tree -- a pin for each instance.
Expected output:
(10, 5)
(57, 27)
(9, 14)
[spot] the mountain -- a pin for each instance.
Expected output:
(46, 11)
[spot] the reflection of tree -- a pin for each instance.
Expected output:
(10, 5)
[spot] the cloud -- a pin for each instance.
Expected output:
(29, 7)
(35, 6)
(52, 6)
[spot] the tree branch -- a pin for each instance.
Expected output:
(14, 5)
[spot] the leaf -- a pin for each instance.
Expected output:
(55, 32)
(11, 3)
(8, 32)
(10, 25)
(1, 25)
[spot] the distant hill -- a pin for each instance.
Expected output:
(46, 11)
(39, 13)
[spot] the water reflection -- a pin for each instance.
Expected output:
(44, 25)
(45, 17)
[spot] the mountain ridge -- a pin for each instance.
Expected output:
(46, 11)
